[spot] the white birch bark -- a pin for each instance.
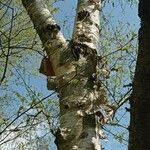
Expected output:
(49, 33)
(87, 23)
(82, 100)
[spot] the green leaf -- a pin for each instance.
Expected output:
(20, 97)
(74, 81)
(2, 120)
(55, 10)
(134, 34)
(119, 137)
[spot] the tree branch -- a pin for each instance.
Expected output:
(87, 23)
(49, 33)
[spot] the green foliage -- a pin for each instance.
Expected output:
(74, 81)
(20, 97)
(2, 120)
(55, 10)
(22, 85)
(119, 137)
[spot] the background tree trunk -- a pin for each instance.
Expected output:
(139, 138)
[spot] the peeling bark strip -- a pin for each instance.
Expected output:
(83, 104)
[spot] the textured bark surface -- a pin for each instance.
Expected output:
(49, 32)
(79, 128)
(77, 71)
(139, 138)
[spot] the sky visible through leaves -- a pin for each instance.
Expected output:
(115, 14)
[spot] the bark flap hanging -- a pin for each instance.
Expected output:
(46, 67)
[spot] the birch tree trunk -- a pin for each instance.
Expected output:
(76, 74)
(139, 138)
